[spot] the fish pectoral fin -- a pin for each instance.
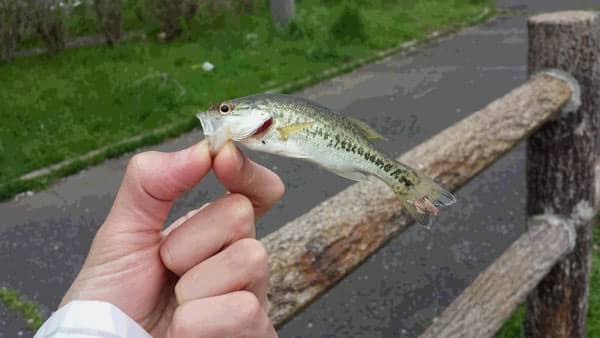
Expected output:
(286, 131)
(366, 130)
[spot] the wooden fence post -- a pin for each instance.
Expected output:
(560, 168)
(282, 11)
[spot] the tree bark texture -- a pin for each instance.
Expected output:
(560, 168)
(482, 308)
(311, 253)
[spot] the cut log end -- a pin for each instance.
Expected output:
(564, 18)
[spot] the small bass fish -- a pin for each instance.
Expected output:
(295, 127)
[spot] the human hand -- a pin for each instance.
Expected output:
(205, 275)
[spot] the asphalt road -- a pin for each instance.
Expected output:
(407, 97)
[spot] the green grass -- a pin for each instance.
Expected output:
(13, 300)
(513, 327)
(54, 108)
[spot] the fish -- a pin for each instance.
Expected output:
(296, 127)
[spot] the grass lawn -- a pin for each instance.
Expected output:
(56, 107)
(513, 327)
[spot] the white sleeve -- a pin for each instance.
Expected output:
(90, 319)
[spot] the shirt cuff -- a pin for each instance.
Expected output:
(90, 319)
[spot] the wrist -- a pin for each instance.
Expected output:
(90, 318)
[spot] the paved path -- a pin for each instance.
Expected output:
(396, 293)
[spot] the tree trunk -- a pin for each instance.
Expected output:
(14, 24)
(560, 168)
(109, 14)
(48, 18)
(282, 11)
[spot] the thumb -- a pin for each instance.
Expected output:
(152, 181)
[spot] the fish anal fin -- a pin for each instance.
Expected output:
(286, 131)
(351, 175)
(367, 130)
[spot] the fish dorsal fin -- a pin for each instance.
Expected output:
(286, 131)
(367, 130)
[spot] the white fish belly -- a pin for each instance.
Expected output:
(342, 164)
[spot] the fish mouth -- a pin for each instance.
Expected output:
(206, 122)
(264, 127)
(212, 125)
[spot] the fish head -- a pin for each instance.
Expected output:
(236, 120)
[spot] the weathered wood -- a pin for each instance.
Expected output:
(510, 278)
(311, 253)
(282, 11)
(560, 168)
(482, 308)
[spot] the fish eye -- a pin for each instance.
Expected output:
(225, 108)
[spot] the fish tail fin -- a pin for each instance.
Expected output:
(422, 200)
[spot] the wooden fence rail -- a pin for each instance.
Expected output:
(496, 292)
(311, 253)
(561, 177)
(482, 308)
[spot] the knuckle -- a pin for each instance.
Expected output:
(137, 161)
(138, 169)
(179, 294)
(243, 222)
(134, 165)
(160, 184)
(248, 309)
(252, 252)
(278, 189)
(251, 256)
(166, 257)
(180, 326)
(242, 206)
(249, 172)
(241, 230)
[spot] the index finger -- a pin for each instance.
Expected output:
(241, 175)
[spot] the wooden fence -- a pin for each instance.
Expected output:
(556, 112)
